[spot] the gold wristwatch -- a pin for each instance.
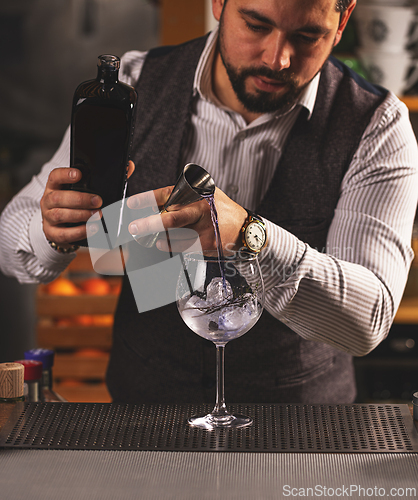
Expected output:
(253, 233)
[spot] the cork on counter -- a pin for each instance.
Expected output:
(11, 381)
(11, 388)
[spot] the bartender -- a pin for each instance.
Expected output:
(322, 161)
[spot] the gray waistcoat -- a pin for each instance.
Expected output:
(155, 357)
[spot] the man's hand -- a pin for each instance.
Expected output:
(196, 216)
(60, 207)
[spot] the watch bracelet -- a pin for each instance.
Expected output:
(63, 250)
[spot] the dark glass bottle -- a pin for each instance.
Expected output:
(101, 132)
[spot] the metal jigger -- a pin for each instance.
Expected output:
(193, 184)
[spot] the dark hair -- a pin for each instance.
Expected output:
(342, 5)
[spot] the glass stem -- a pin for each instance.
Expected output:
(220, 409)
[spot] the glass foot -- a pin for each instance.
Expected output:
(210, 421)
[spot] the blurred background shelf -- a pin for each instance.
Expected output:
(83, 392)
(78, 326)
(411, 102)
(55, 305)
(66, 337)
(408, 311)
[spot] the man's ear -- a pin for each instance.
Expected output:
(217, 6)
(343, 21)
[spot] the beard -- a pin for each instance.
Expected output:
(260, 101)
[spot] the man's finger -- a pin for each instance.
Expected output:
(152, 199)
(61, 216)
(64, 235)
(62, 175)
(178, 246)
(147, 225)
(72, 199)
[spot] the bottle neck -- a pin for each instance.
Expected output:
(107, 75)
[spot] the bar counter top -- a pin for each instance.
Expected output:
(240, 466)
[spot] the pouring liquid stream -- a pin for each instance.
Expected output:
(214, 216)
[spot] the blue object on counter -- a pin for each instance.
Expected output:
(46, 356)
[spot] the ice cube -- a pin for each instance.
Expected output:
(195, 302)
(193, 309)
(217, 292)
(197, 315)
(238, 317)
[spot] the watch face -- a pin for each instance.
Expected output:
(255, 236)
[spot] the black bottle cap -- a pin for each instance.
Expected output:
(109, 61)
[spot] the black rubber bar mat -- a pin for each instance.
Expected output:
(276, 428)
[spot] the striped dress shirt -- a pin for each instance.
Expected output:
(346, 294)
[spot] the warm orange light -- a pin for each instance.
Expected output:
(62, 286)
(96, 286)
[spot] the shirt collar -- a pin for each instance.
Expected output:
(202, 84)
